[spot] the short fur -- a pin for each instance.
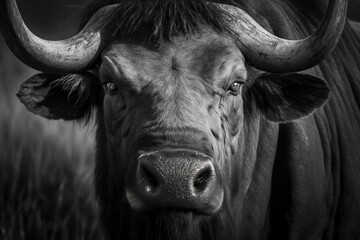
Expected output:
(69, 97)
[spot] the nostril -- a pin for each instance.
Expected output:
(202, 179)
(175, 180)
(149, 178)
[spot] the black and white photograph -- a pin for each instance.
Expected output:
(179, 119)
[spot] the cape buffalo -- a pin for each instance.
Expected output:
(205, 114)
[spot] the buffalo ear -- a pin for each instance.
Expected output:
(286, 97)
(67, 97)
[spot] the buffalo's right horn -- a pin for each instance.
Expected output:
(74, 54)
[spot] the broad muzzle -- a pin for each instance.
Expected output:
(175, 179)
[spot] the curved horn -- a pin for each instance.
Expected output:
(270, 53)
(74, 54)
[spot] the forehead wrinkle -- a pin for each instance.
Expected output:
(121, 65)
(231, 65)
(237, 69)
(212, 56)
(243, 72)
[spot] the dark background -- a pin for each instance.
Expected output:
(59, 18)
(354, 10)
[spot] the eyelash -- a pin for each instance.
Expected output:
(110, 87)
(235, 87)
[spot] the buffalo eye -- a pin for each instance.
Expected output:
(110, 88)
(235, 87)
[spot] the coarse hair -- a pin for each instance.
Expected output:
(162, 19)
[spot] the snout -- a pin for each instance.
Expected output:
(175, 179)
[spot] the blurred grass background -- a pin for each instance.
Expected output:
(46, 167)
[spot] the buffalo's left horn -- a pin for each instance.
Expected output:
(74, 54)
(270, 53)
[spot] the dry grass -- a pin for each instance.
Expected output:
(46, 169)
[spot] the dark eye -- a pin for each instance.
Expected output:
(110, 87)
(235, 87)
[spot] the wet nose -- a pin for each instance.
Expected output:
(180, 179)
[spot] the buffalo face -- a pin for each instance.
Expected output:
(172, 119)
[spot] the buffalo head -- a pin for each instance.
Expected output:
(182, 125)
